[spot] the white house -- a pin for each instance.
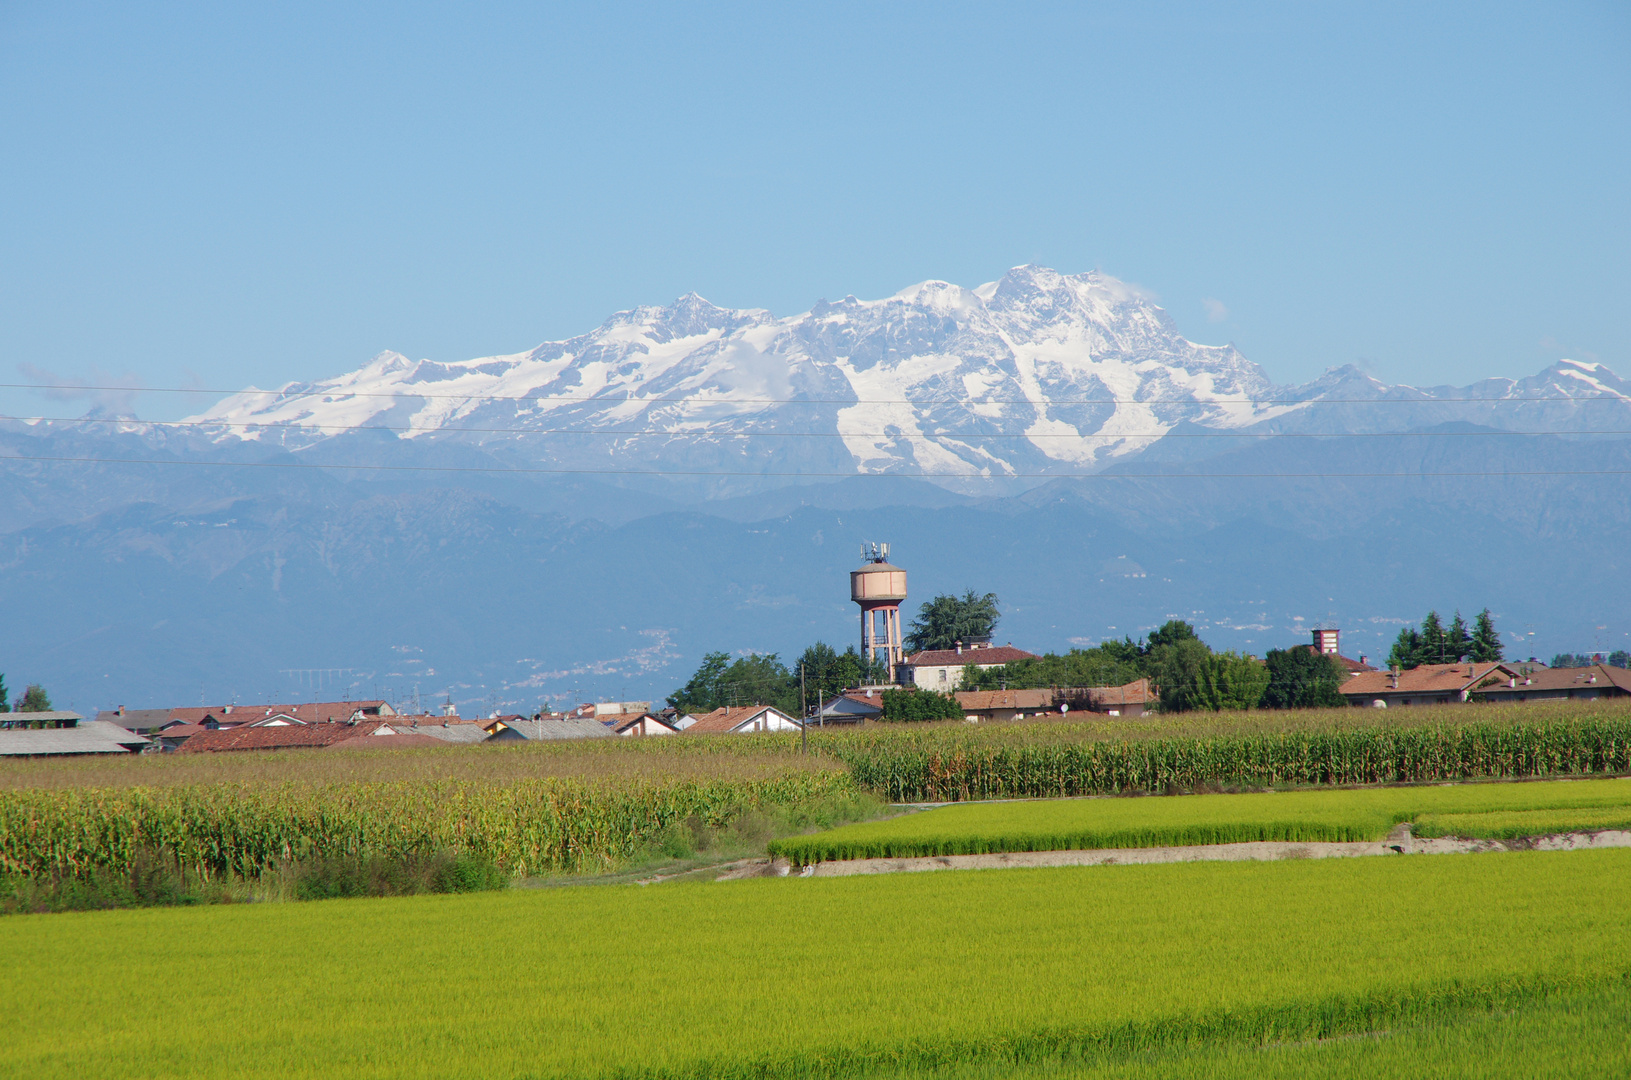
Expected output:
(741, 720)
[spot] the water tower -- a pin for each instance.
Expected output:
(879, 588)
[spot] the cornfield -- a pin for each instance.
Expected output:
(1503, 811)
(947, 765)
(524, 827)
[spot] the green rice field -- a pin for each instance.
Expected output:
(1575, 1036)
(1468, 810)
(1014, 972)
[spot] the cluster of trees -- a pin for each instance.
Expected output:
(1618, 658)
(763, 679)
(1185, 670)
(32, 699)
(1434, 643)
(920, 705)
(944, 621)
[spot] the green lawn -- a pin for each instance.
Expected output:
(1472, 810)
(813, 977)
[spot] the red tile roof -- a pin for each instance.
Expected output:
(1347, 664)
(981, 700)
(1137, 692)
(1594, 677)
(274, 738)
(983, 656)
(1426, 679)
(311, 713)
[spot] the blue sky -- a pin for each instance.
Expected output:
(210, 195)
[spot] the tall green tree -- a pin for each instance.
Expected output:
(1300, 678)
(1176, 670)
(34, 699)
(1228, 681)
(944, 621)
(1485, 646)
(1170, 632)
(5, 700)
(828, 671)
(701, 693)
(1457, 642)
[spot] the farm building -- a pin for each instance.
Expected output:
(53, 734)
(518, 729)
(1429, 684)
(448, 729)
(942, 669)
(742, 719)
(1543, 684)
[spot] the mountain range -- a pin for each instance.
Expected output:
(586, 518)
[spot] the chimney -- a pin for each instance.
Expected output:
(1393, 679)
(121, 710)
(1361, 658)
(959, 648)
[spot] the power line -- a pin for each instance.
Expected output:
(706, 433)
(817, 475)
(294, 395)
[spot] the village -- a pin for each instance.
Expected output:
(945, 677)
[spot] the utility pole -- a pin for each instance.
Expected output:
(804, 716)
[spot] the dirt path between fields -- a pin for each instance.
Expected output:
(1399, 842)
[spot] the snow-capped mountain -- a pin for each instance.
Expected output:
(1036, 375)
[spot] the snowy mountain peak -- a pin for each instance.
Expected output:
(1035, 374)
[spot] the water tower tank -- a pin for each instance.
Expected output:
(877, 581)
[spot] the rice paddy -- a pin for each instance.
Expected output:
(790, 977)
(1469, 810)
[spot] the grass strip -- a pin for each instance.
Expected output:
(1479, 810)
(812, 978)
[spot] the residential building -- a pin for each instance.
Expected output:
(642, 725)
(742, 719)
(1429, 684)
(987, 705)
(942, 669)
(1552, 684)
(1134, 699)
(214, 717)
(852, 707)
